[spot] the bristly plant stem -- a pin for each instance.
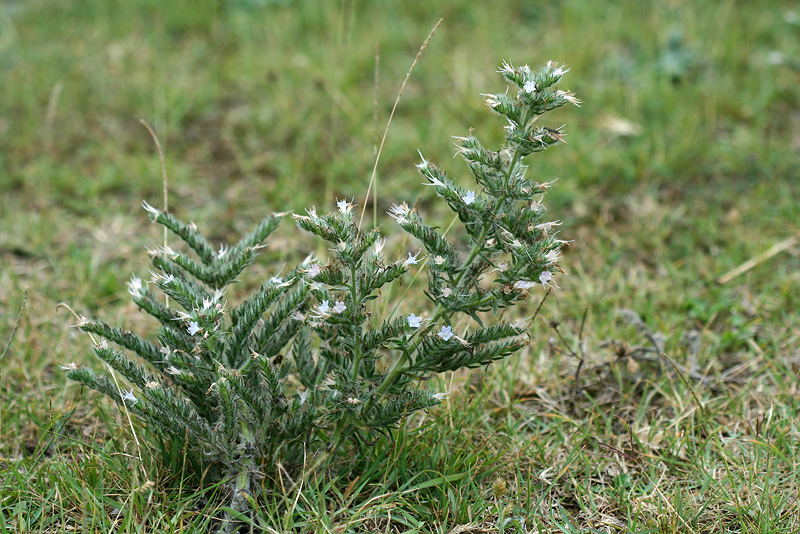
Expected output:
(515, 159)
(356, 329)
(438, 311)
(523, 78)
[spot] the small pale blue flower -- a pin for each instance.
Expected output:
(445, 333)
(193, 328)
(412, 259)
(529, 87)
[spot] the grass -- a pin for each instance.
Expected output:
(681, 165)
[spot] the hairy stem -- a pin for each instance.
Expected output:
(440, 310)
(356, 306)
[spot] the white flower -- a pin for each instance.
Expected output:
(412, 259)
(445, 333)
(446, 292)
(569, 97)
(193, 328)
(128, 396)
(218, 293)
(150, 209)
(546, 278)
(379, 244)
(277, 280)
(206, 304)
(398, 213)
(223, 249)
(469, 198)
(529, 87)
(523, 284)
(167, 251)
(313, 270)
(505, 68)
(339, 307)
(438, 260)
(545, 228)
(344, 206)
(353, 401)
(135, 286)
(439, 396)
(552, 256)
(414, 321)
(322, 310)
(434, 182)
(151, 385)
(424, 164)
(161, 278)
(71, 366)
(172, 370)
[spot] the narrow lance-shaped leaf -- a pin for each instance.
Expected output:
(187, 232)
(125, 339)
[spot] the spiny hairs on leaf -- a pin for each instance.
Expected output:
(187, 232)
(218, 269)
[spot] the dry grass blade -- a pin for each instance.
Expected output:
(16, 325)
(391, 116)
(761, 258)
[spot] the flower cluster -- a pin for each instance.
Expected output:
(505, 224)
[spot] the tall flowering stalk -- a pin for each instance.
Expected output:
(510, 242)
(298, 369)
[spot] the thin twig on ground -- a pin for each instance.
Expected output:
(761, 258)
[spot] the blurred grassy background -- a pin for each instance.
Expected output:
(684, 100)
(681, 164)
